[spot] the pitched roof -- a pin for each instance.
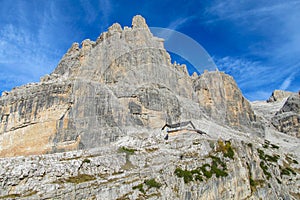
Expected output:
(180, 124)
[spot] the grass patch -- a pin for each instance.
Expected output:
(252, 182)
(264, 167)
(80, 178)
(86, 160)
(261, 154)
(152, 183)
(265, 146)
(206, 173)
(278, 181)
(185, 174)
(139, 187)
(11, 196)
(218, 172)
(274, 146)
(290, 160)
(226, 149)
(273, 158)
(126, 150)
(268, 144)
(287, 171)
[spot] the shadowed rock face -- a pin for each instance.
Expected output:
(121, 82)
(287, 120)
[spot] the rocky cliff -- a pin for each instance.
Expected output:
(92, 129)
(102, 90)
(287, 119)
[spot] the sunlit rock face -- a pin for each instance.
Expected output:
(287, 119)
(93, 129)
(102, 90)
(219, 94)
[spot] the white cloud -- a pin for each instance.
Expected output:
(105, 8)
(90, 11)
(287, 82)
(271, 29)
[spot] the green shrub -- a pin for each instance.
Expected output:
(252, 182)
(261, 154)
(285, 172)
(217, 161)
(278, 181)
(187, 175)
(226, 149)
(127, 150)
(206, 173)
(86, 160)
(265, 146)
(152, 183)
(198, 177)
(295, 162)
(267, 142)
(218, 172)
(265, 169)
(139, 187)
(272, 158)
(292, 171)
(274, 146)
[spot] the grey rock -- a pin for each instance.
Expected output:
(101, 91)
(279, 95)
(287, 119)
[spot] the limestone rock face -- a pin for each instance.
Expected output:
(96, 125)
(287, 119)
(224, 102)
(279, 95)
(31, 116)
(103, 90)
(189, 166)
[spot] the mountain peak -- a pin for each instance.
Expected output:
(139, 22)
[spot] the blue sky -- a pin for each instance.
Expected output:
(255, 41)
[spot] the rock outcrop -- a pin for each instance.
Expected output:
(287, 119)
(102, 90)
(189, 166)
(279, 95)
(224, 102)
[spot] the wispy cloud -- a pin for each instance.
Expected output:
(90, 11)
(105, 8)
(286, 83)
(176, 24)
(27, 49)
(251, 76)
(271, 30)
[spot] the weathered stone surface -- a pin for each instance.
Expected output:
(279, 95)
(103, 90)
(31, 115)
(224, 102)
(108, 101)
(287, 119)
(103, 108)
(123, 172)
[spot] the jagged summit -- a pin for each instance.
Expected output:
(279, 95)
